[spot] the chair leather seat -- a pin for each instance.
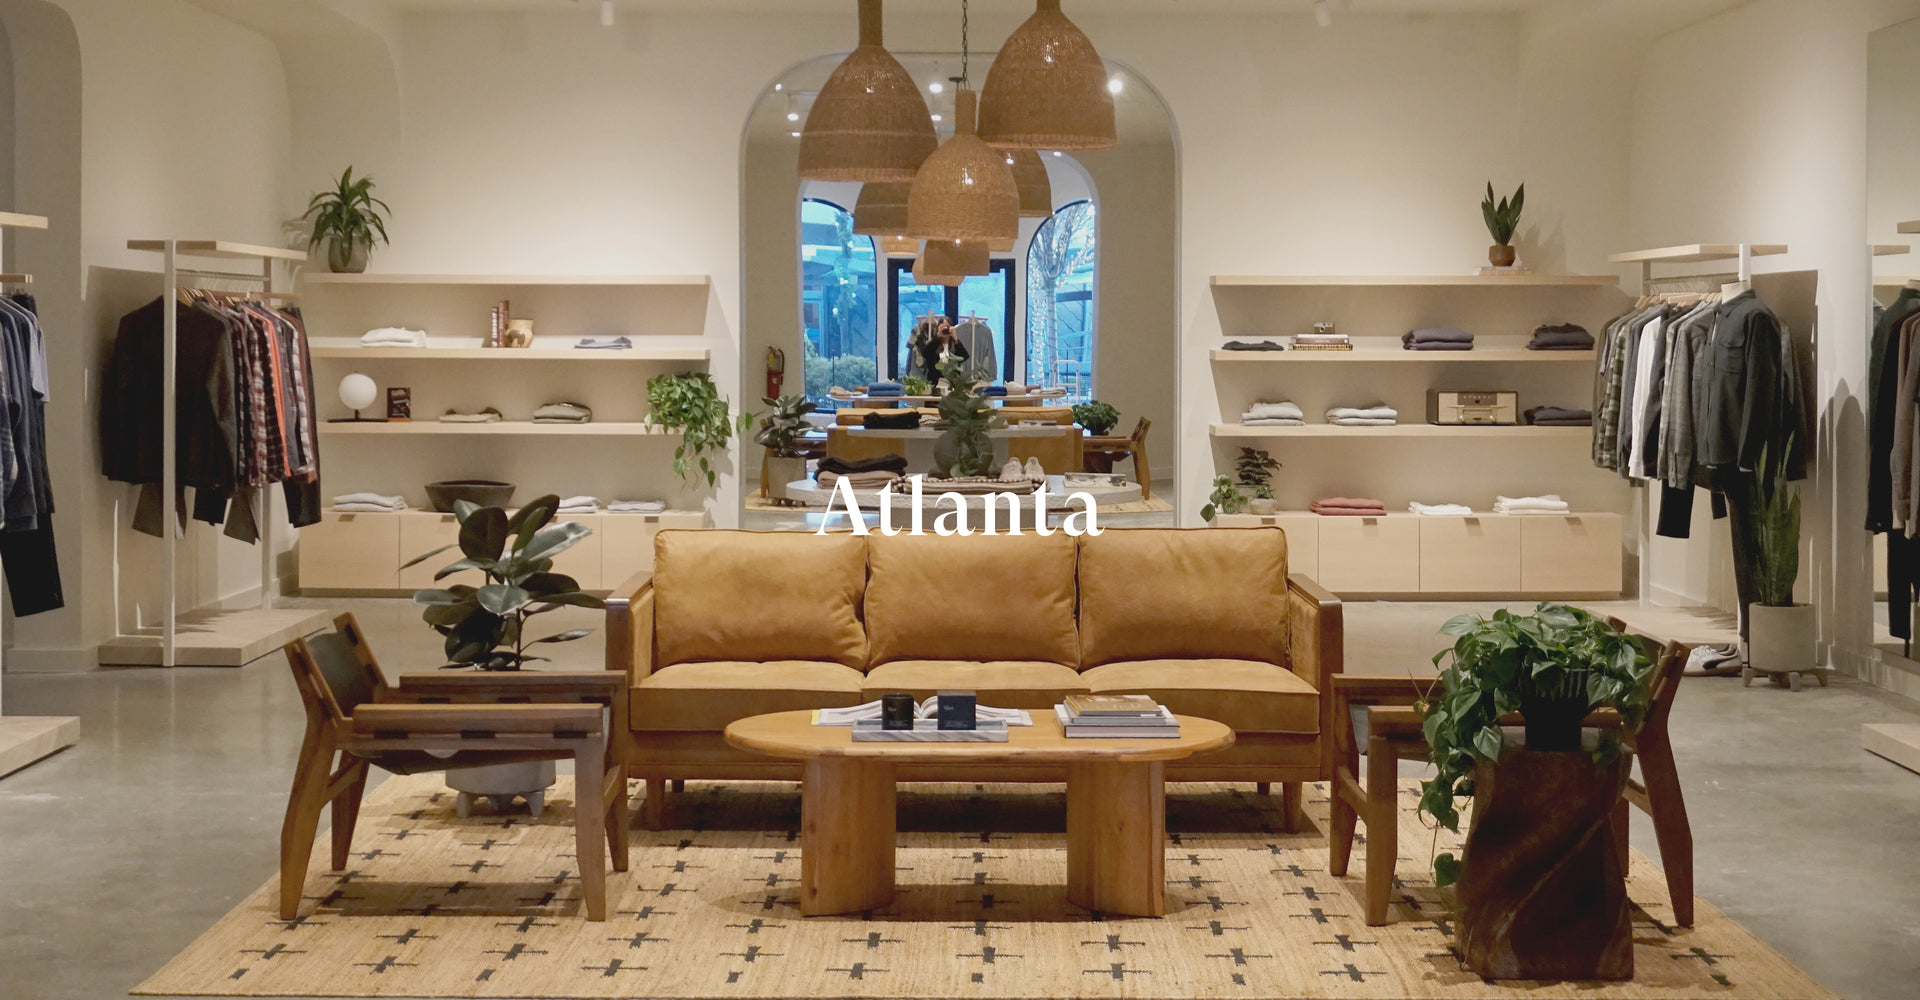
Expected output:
(998, 683)
(1247, 695)
(704, 697)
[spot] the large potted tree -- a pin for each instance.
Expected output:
(1780, 633)
(1542, 886)
(780, 433)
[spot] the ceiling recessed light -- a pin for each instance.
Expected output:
(936, 87)
(1114, 86)
(793, 116)
(796, 135)
(778, 87)
(936, 117)
(1056, 152)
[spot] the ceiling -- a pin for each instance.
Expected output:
(993, 6)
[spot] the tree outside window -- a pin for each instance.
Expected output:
(838, 292)
(1060, 303)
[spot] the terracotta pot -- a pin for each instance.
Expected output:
(1501, 255)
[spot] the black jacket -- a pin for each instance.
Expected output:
(1748, 395)
(206, 438)
(1883, 381)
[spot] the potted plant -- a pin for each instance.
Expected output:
(690, 403)
(1225, 499)
(965, 449)
(915, 385)
(348, 219)
(780, 433)
(1503, 217)
(1253, 468)
(1095, 417)
(1780, 633)
(487, 627)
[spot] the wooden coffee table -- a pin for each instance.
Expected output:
(1116, 805)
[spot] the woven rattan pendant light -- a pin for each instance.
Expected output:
(1047, 88)
(964, 191)
(949, 262)
(899, 246)
(1030, 177)
(882, 209)
(869, 122)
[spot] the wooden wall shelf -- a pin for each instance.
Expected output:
(18, 220)
(1908, 228)
(1695, 253)
(329, 278)
(1362, 355)
(226, 249)
(504, 427)
(1269, 431)
(1417, 281)
(650, 354)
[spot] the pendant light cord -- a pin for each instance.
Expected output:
(963, 43)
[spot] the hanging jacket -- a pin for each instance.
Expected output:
(1747, 392)
(1883, 380)
(206, 438)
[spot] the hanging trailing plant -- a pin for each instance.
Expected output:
(690, 403)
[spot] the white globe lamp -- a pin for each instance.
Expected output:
(357, 391)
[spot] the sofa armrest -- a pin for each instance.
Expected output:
(630, 628)
(1316, 632)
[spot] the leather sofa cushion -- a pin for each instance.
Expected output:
(1000, 684)
(704, 697)
(1249, 696)
(998, 597)
(759, 595)
(1169, 593)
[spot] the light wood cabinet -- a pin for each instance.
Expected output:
(349, 552)
(582, 562)
(1370, 555)
(1470, 555)
(422, 531)
(1303, 537)
(626, 540)
(1576, 554)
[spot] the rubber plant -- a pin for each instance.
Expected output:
(348, 219)
(1776, 526)
(1225, 499)
(1095, 417)
(965, 449)
(1553, 666)
(486, 626)
(690, 403)
(1254, 468)
(786, 421)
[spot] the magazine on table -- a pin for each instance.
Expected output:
(1166, 727)
(929, 709)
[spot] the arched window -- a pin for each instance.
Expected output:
(1060, 302)
(838, 295)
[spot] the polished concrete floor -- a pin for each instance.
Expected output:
(118, 852)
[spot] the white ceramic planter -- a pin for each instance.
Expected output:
(500, 783)
(780, 472)
(1261, 506)
(1781, 639)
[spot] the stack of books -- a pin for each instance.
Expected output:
(1322, 342)
(1115, 716)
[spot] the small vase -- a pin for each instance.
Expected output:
(346, 258)
(1259, 505)
(1553, 724)
(1501, 255)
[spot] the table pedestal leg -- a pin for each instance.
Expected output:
(1116, 838)
(846, 836)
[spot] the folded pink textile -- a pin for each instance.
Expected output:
(1350, 502)
(1348, 512)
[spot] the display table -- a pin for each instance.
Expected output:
(1056, 445)
(1116, 805)
(1015, 399)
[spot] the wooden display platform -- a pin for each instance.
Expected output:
(1896, 742)
(652, 354)
(215, 638)
(27, 738)
(1230, 431)
(1378, 356)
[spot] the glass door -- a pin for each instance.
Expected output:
(981, 310)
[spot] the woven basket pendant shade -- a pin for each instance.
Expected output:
(1047, 88)
(869, 122)
(964, 191)
(882, 209)
(949, 262)
(1030, 177)
(899, 246)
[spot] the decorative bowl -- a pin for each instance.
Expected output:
(484, 492)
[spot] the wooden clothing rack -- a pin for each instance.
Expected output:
(217, 637)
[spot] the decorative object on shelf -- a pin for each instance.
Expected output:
(965, 449)
(915, 385)
(882, 209)
(781, 429)
(1780, 633)
(348, 219)
(497, 325)
(1254, 468)
(519, 333)
(487, 626)
(1225, 499)
(1048, 88)
(965, 190)
(956, 709)
(897, 710)
(1095, 417)
(399, 403)
(1031, 180)
(358, 392)
(690, 403)
(1502, 217)
(869, 122)
(1483, 407)
(1325, 330)
(445, 496)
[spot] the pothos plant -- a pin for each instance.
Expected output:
(1225, 499)
(1554, 666)
(690, 403)
(1254, 468)
(1097, 417)
(965, 449)
(486, 626)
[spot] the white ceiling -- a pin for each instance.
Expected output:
(991, 6)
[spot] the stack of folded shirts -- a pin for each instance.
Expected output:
(886, 389)
(1437, 338)
(1348, 507)
(1561, 337)
(636, 506)
(1555, 416)
(393, 336)
(486, 416)
(896, 464)
(892, 419)
(1439, 509)
(562, 413)
(372, 503)
(839, 393)
(1321, 342)
(1258, 345)
(1282, 414)
(611, 344)
(997, 390)
(579, 505)
(1549, 504)
(1370, 416)
(859, 480)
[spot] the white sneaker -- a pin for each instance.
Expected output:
(1034, 471)
(1011, 470)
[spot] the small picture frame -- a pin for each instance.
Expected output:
(399, 403)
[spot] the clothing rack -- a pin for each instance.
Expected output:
(25, 739)
(218, 637)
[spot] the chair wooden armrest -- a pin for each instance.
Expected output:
(630, 628)
(1316, 650)
(380, 721)
(509, 686)
(1365, 688)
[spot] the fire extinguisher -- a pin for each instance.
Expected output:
(776, 371)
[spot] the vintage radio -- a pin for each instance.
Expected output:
(1464, 406)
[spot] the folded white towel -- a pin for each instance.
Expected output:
(371, 500)
(394, 336)
(1375, 412)
(1439, 509)
(366, 508)
(1549, 504)
(1282, 409)
(1363, 422)
(576, 504)
(1273, 422)
(637, 506)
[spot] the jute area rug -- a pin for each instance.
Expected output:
(436, 906)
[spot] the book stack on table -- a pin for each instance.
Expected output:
(1115, 716)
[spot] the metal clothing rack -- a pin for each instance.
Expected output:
(25, 739)
(217, 637)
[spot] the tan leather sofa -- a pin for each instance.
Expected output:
(734, 623)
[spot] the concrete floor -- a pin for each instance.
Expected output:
(118, 852)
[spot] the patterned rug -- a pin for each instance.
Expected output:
(436, 906)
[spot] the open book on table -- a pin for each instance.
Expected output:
(870, 712)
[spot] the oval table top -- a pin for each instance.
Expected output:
(793, 736)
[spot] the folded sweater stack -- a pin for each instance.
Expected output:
(486, 416)
(1437, 338)
(1257, 345)
(895, 464)
(1281, 414)
(859, 480)
(636, 506)
(563, 413)
(1555, 416)
(892, 419)
(1348, 507)
(1439, 509)
(393, 336)
(370, 503)
(1380, 415)
(579, 505)
(1561, 337)
(886, 390)
(1549, 504)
